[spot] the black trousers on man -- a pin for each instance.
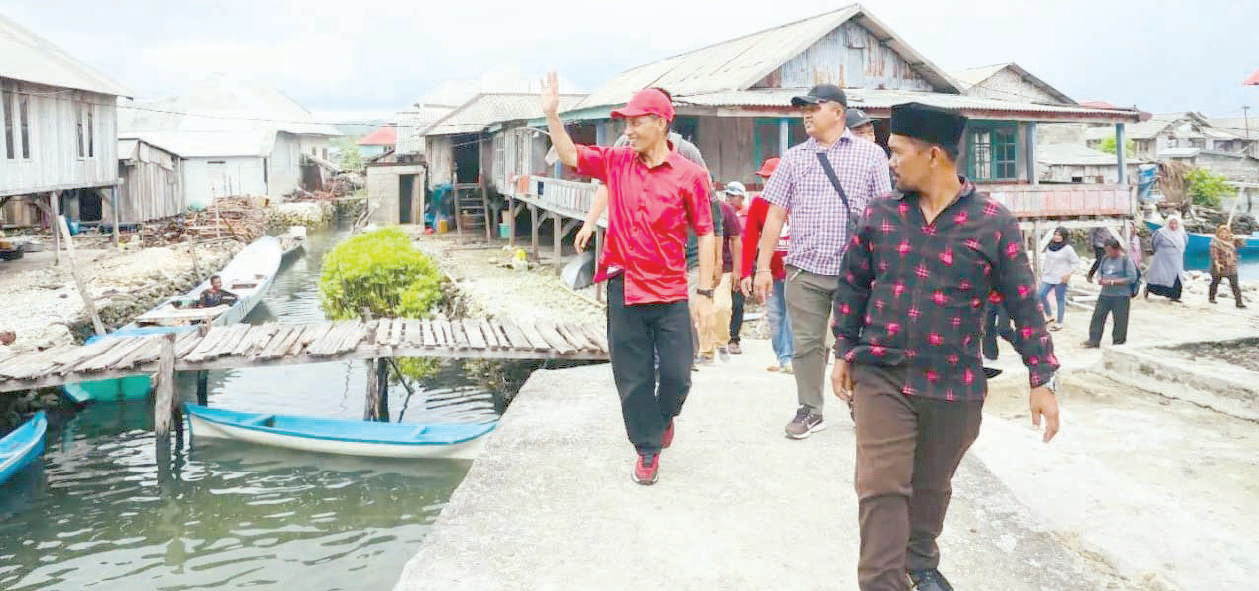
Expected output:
(638, 335)
(737, 299)
(1113, 305)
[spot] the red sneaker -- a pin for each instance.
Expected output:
(647, 469)
(667, 439)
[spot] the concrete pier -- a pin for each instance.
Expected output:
(550, 503)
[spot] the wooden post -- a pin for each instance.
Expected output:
(55, 202)
(164, 389)
(370, 404)
(1121, 157)
(533, 224)
(557, 230)
(511, 222)
(78, 279)
(203, 376)
(113, 199)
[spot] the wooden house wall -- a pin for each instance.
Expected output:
(851, 57)
(152, 186)
(1007, 85)
(54, 163)
(440, 155)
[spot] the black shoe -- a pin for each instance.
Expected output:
(1089, 345)
(929, 580)
(992, 372)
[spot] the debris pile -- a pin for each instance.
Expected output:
(243, 218)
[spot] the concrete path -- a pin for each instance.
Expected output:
(550, 504)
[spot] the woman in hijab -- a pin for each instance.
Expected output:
(1059, 264)
(1168, 262)
(1224, 263)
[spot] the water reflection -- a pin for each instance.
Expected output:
(98, 514)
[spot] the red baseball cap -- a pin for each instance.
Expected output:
(648, 101)
(768, 168)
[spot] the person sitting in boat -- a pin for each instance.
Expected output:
(216, 295)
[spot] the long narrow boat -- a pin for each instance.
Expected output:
(22, 446)
(248, 276)
(1200, 244)
(338, 436)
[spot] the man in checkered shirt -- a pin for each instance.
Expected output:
(821, 222)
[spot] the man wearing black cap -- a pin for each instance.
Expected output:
(860, 124)
(826, 183)
(909, 312)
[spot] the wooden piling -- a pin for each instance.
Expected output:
(164, 390)
(78, 278)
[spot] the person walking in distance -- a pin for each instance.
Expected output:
(736, 197)
(909, 311)
(1224, 263)
(776, 304)
(1097, 239)
(826, 183)
(654, 195)
(1116, 274)
(1059, 266)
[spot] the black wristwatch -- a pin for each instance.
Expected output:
(708, 293)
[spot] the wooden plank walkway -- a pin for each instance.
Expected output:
(244, 345)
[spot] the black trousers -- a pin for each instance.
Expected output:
(1114, 305)
(1098, 253)
(737, 300)
(638, 335)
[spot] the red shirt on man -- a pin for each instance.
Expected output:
(649, 209)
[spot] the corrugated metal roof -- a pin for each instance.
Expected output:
(29, 57)
(1149, 129)
(1178, 152)
(486, 109)
(739, 63)
(219, 104)
(209, 144)
(385, 135)
(975, 76)
(879, 101)
(1076, 154)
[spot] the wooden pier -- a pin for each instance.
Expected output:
(243, 346)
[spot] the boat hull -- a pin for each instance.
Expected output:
(23, 446)
(207, 427)
(1200, 244)
(135, 387)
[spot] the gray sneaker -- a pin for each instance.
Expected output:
(724, 354)
(805, 424)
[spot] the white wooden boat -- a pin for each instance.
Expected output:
(338, 436)
(249, 276)
(292, 241)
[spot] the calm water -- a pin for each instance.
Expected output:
(100, 515)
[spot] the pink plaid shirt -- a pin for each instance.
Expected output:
(913, 294)
(819, 222)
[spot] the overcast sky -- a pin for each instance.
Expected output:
(360, 60)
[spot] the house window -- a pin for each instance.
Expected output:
(24, 119)
(78, 129)
(992, 152)
(6, 106)
(91, 134)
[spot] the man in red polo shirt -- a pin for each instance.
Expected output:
(654, 195)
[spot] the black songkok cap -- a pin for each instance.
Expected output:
(927, 123)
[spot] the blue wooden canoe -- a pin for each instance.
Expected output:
(1200, 244)
(22, 446)
(337, 436)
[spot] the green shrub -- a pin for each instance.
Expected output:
(1205, 187)
(385, 273)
